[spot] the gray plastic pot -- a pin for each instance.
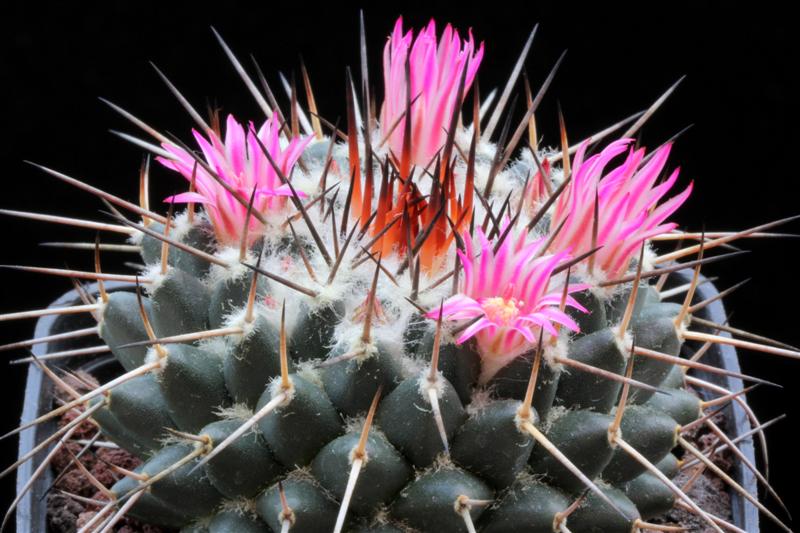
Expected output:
(32, 509)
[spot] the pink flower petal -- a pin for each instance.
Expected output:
(241, 163)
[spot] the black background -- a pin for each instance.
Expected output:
(740, 94)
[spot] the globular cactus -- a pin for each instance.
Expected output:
(402, 325)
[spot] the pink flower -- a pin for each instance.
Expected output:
(509, 294)
(537, 189)
(627, 205)
(241, 163)
(434, 75)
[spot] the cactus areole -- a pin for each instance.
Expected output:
(418, 318)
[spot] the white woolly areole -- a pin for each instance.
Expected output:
(649, 256)
(425, 384)
(559, 350)
(237, 411)
(519, 420)
(624, 343)
(308, 371)
(152, 356)
(603, 294)
(100, 314)
(485, 150)
(170, 438)
(683, 327)
(136, 238)
(237, 319)
(181, 224)
(328, 294)
(235, 270)
(365, 350)
(241, 506)
(156, 277)
(275, 389)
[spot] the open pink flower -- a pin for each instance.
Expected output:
(627, 205)
(434, 74)
(509, 294)
(241, 163)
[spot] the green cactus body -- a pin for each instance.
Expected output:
(488, 450)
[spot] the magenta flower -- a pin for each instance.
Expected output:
(628, 210)
(509, 294)
(434, 74)
(240, 162)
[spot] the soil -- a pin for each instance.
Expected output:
(67, 515)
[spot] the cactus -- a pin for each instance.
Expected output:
(402, 326)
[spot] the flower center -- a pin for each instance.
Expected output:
(501, 311)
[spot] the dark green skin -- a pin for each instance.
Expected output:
(242, 468)
(180, 304)
(582, 390)
(231, 294)
(233, 522)
(141, 408)
(314, 511)
(117, 433)
(583, 437)
(650, 495)
(186, 491)
(615, 307)
(427, 503)
(149, 508)
(596, 516)
(655, 334)
(595, 319)
(460, 364)
(511, 382)
(200, 236)
(313, 335)
(654, 310)
(352, 384)
(122, 324)
(151, 246)
(675, 378)
(287, 245)
(527, 506)
(253, 362)
(193, 386)
(382, 476)
(491, 445)
(669, 466)
(297, 432)
(680, 404)
(651, 433)
(406, 418)
(651, 296)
